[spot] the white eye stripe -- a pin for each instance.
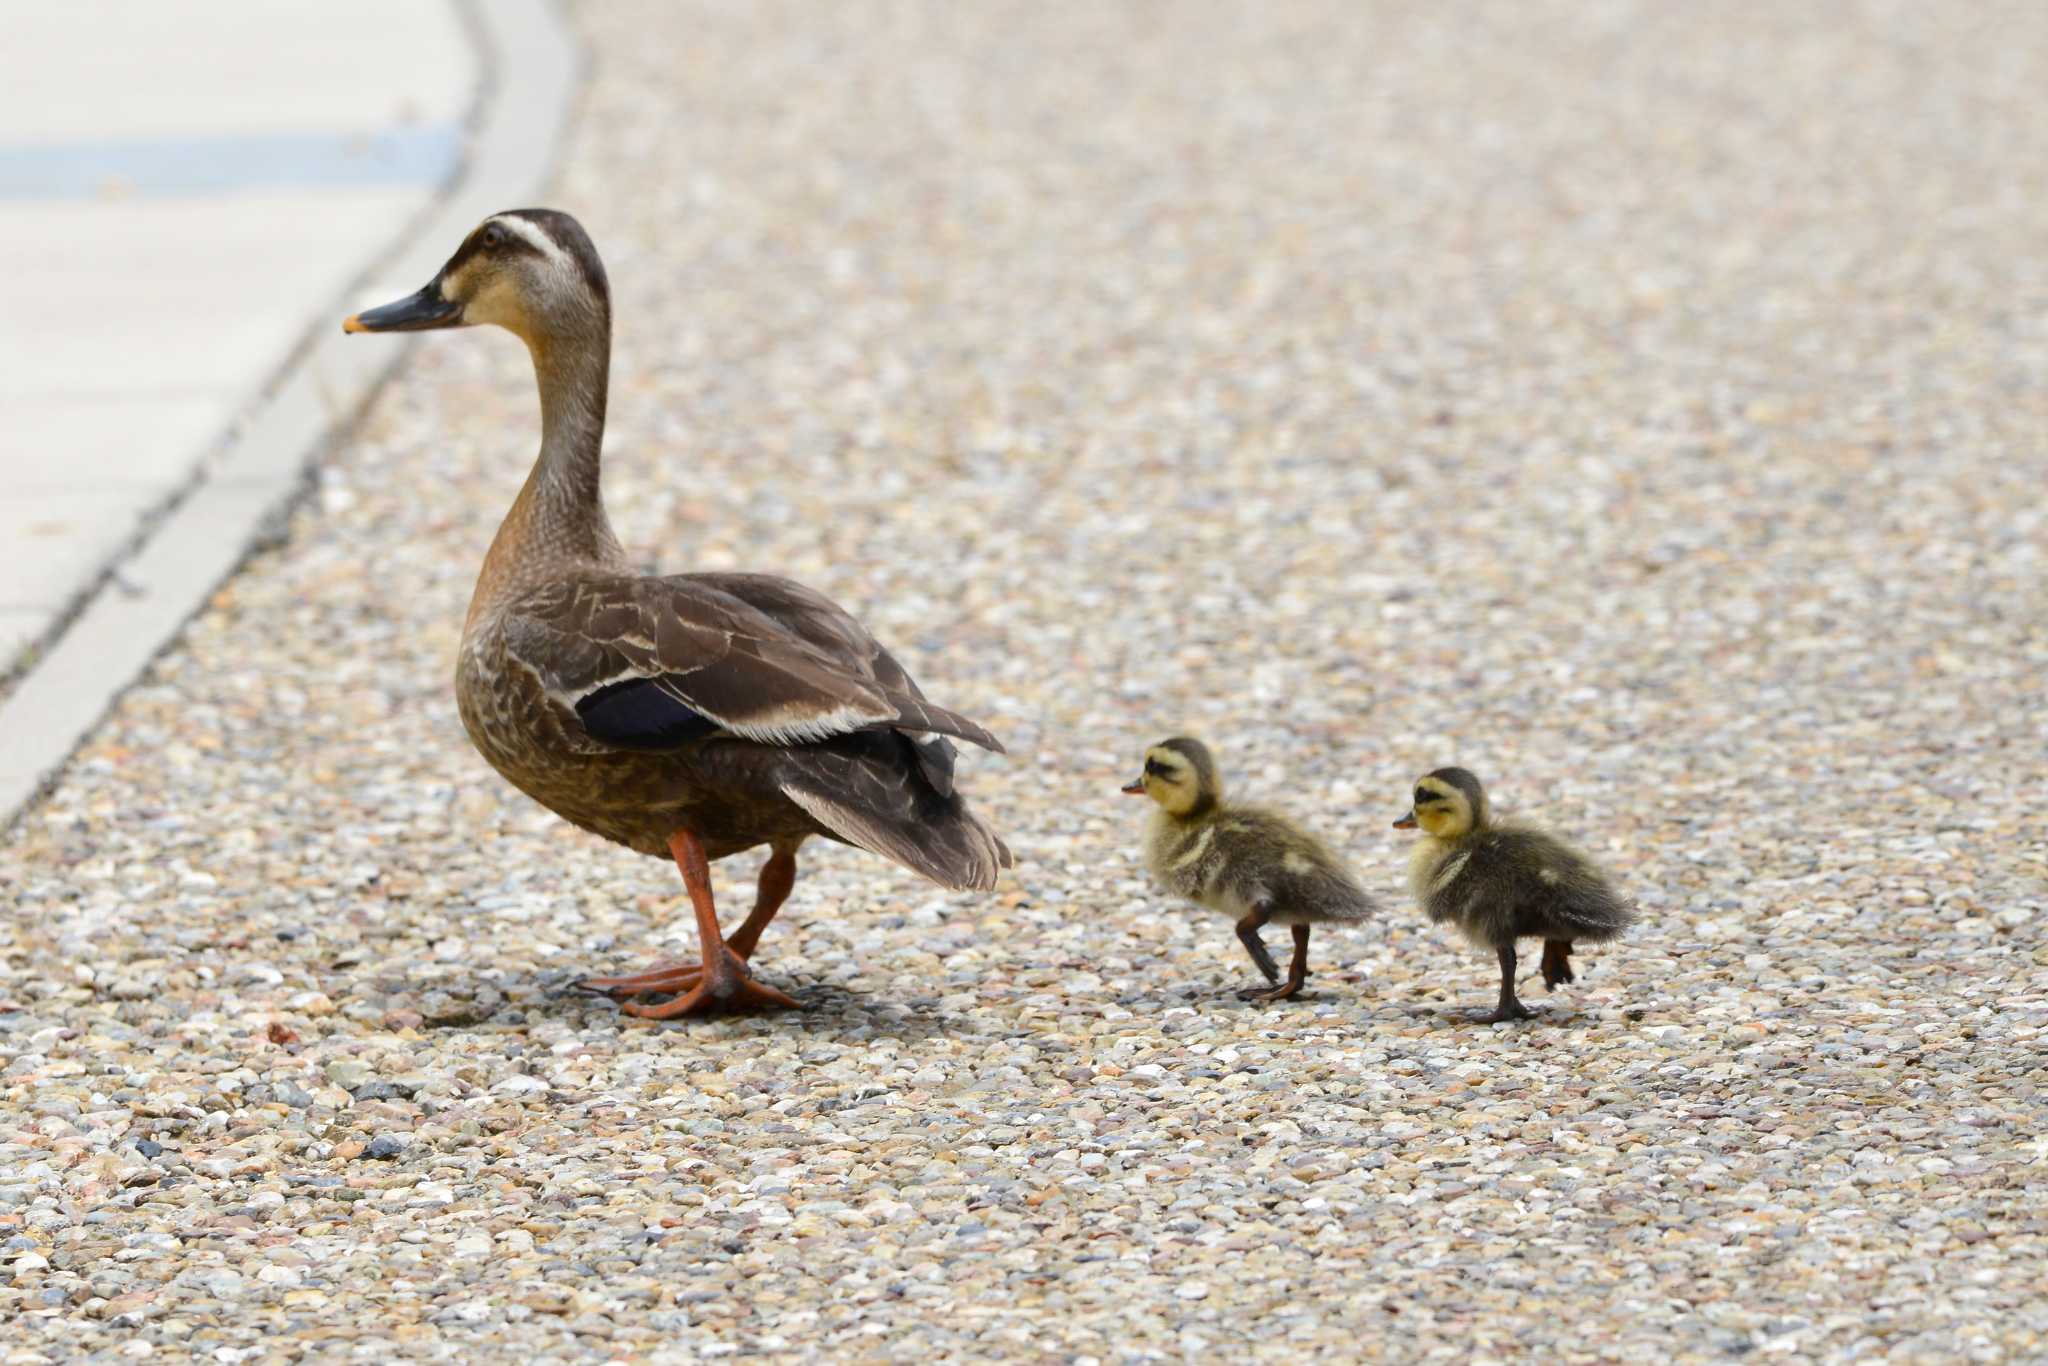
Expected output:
(533, 237)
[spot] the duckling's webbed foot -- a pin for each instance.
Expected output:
(1510, 1007)
(1297, 973)
(1557, 963)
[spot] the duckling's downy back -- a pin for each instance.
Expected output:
(1234, 858)
(1511, 881)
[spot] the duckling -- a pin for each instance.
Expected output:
(1249, 863)
(1499, 881)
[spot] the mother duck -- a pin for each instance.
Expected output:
(687, 716)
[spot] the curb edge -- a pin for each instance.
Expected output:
(531, 65)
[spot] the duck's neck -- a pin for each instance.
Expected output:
(574, 375)
(557, 525)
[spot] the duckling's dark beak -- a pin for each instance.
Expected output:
(1135, 788)
(1406, 822)
(414, 313)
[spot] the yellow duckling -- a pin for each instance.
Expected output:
(1499, 882)
(1249, 863)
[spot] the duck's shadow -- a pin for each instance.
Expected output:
(829, 1011)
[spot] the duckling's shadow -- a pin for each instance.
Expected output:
(1465, 1018)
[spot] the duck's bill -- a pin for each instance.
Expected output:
(1133, 789)
(1406, 822)
(414, 313)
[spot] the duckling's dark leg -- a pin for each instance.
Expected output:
(778, 875)
(1557, 963)
(724, 983)
(1509, 1008)
(1248, 935)
(1297, 972)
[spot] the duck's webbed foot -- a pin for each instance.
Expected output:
(728, 985)
(729, 988)
(1297, 972)
(669, 977)
(1510, 1007)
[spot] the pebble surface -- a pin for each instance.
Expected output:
(1641, 405)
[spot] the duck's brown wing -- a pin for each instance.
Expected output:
(648, 663)
(829, 627)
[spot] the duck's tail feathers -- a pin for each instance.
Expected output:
(876, 790)
(961, 854)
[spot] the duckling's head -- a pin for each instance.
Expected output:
(1448, 803)
(1180, 774)
(530, 271)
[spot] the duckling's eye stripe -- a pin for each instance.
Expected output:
(1155, 767)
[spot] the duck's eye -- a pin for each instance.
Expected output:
(1423, 796)
(494, 236)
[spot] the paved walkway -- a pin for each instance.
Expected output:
(1638, 403)
(184, 190)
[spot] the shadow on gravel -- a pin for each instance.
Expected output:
(832, 1011)
(829, 1011)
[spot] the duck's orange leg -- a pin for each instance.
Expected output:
(728, 985)
(778, 875)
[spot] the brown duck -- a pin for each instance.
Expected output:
(686, 716)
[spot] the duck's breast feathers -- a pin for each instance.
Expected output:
(647, 663)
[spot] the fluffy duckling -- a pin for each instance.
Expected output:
(1249, 863)
(1499, 882)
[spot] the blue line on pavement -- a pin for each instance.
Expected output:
(426, 155)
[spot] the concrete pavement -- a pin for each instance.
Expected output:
(178, 368)
(184, 190)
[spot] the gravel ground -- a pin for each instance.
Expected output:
(1643, 408)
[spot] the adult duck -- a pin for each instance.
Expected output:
(685, 716)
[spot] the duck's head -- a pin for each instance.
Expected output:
(530, 271)
(1180, 774)
(1448, 803)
